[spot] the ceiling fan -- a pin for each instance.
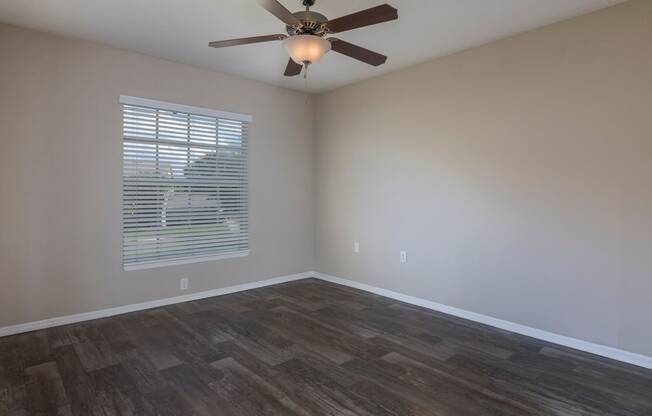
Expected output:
(306, 42)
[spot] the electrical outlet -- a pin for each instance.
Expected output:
(403, 256)
(183, 283)
(356, 247)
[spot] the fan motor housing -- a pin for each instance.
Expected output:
(312, 24)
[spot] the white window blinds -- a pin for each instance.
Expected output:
(185, 184)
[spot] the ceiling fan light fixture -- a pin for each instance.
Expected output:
(306, 29)
(306, 48)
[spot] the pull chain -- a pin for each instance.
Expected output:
(306, 64)
(305, 80)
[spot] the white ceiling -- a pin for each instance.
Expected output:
(179, 30)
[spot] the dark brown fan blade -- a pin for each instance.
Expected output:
(293, 69)
(245, 41)
(278, 10)
(375, 15)
(357, 52)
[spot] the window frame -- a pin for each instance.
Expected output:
(191, 110)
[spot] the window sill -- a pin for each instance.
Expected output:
(191, 260)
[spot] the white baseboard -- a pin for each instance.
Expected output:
(103, 313)
(590, 347)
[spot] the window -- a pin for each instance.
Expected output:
(185, 184)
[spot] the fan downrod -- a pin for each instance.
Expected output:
(308, 3)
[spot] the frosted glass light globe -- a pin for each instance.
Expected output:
(306, 48)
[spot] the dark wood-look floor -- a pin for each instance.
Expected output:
(305, 348)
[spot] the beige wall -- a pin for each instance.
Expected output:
(517, 175)
(60, 175)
